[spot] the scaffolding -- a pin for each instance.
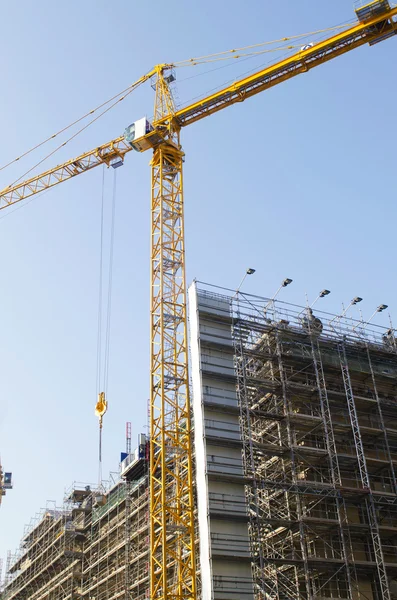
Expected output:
(295, 464)
(95, 547)
(116, 554)
(318, 418)
(48, 562)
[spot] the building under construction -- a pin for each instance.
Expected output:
(94, 547)
(295, 429)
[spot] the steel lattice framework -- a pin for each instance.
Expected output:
(289, 376)
(171, 482)
(172, 568)
(365, 480)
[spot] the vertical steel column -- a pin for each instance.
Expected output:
(273, 582)
(268, 587)
(382, 421)
(302, 536)
(172, 551)
(362, 464)
(127, 533)
(333, 458)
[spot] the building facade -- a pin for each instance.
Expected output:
(296, 445)
(295, 437)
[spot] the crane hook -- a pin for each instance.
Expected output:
(101, 407)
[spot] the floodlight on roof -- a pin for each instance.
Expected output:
(324, 293)
(248, 271)
(381, 307)
(353, 302)
(286, 282)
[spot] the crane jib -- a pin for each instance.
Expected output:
(376, 29)
(376, 23)
(172, 520)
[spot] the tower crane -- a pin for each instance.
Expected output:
(172, 537)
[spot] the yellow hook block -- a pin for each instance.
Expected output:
(101, 406)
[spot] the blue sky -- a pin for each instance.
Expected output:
(297, 182)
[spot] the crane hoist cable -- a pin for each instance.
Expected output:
(110, 284)
(171, 481)
(103, 341)
(100, 288)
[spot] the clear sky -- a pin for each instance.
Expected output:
(297, 182)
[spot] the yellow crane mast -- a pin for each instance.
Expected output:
(172, 539)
